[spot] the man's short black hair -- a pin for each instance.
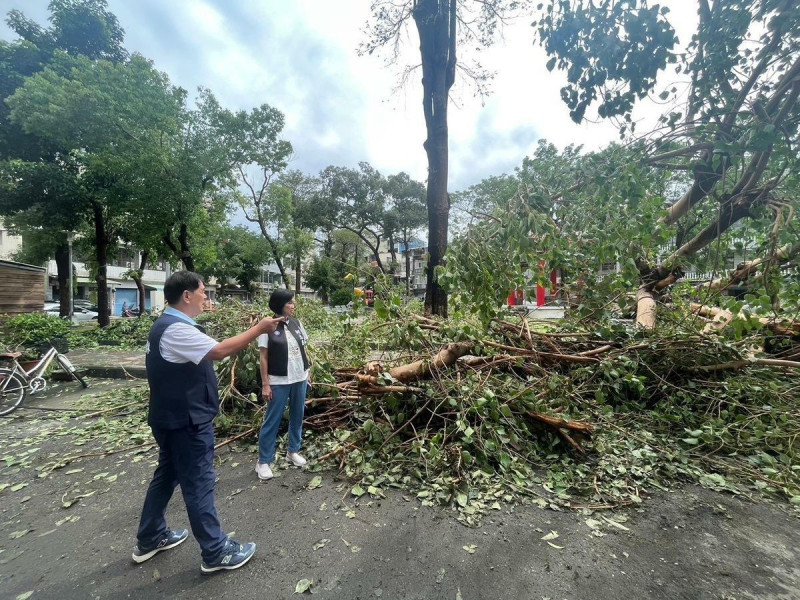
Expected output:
(179, 282)
(278, 299)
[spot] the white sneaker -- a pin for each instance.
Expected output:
(263, 471)
(296, 459)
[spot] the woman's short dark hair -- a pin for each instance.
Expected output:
(179, 282)
(278, 299)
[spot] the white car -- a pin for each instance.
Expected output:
(82, 310)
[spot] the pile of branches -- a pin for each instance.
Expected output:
(469, 417)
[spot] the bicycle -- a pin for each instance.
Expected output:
(16, 382)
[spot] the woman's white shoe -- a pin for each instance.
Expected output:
(263, 471)
(296, 459)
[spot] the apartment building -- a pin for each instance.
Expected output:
(9, 243)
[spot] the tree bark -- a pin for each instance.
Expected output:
(297, 277)
(393, 253)
(101, 250)
(63, 270)
(420, 369)
(273, 246)
(408, 262)
(183, 253)
(645, 308)
(436, 24)
(375, 248)
(781, 256)
(137, 278)
(186, 253)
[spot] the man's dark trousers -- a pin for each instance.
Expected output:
(186, 457)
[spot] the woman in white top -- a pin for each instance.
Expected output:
(285, 371)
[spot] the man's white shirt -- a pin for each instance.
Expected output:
(183, 342)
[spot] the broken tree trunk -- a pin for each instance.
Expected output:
(420, 369)
(645, 308)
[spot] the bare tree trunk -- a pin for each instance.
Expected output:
(137, 278)
(408, 262)
(645, 308)
(375, 248)
(64, 270)
(393, 253)
(184, 253)
(298, 278)
(101, 249)
(436, 24)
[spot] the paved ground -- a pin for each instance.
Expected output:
(690, 543)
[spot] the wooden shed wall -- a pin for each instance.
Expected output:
(21, 289)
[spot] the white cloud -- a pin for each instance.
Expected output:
(342, 108)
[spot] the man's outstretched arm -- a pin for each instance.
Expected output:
(234, 344)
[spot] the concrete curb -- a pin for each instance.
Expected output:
(104, 372)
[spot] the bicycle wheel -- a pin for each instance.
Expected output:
(12, 391)
(66, 364)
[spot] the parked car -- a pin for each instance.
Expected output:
(82, 310)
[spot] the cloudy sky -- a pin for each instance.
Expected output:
(341, 108)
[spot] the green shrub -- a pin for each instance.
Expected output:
(341, 297)
(34, 329)
(313, 314)
(126, 334)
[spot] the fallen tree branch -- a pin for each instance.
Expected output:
(739, 364)
(420, 369)
(250, 431)
(561, 423)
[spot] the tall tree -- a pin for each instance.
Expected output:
(300, 222)
(42, 200)
(204, 160)
(361, 204)
(114, 118)
(441, 25)
(407, 214)
(78, 28)
(238, 258)
(255, 156)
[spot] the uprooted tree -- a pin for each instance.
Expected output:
(732, 133)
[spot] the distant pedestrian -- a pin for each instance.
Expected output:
(285, 377)
(183, 403)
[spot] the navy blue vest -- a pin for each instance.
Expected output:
(180, 394)
(278, 351)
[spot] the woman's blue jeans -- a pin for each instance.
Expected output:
(295, 395)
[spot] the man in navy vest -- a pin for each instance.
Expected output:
(183, 403)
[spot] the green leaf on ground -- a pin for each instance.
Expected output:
(321, 544)
(303, 585)
(471, 548)
(315, 482)
(18, 534)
